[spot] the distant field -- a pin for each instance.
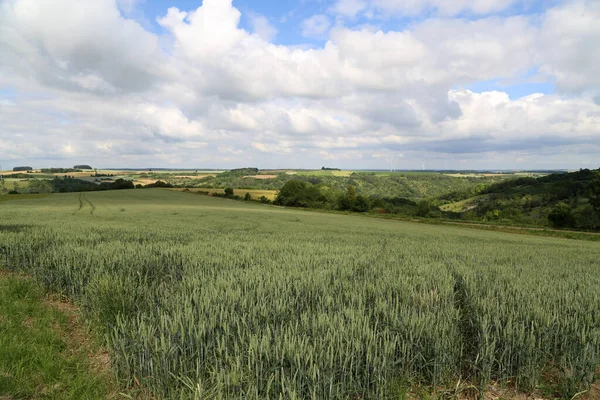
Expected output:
(255, 194)
(319, 172)
(201, 297)
(500, 175)
(11, 183)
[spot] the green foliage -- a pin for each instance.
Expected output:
(67, 185)
(16, 169)
(157, 184)
(561, 216)
(415, 186)
(257, 302)
(247, 196)
(560, 200)
(229, 192)
(296, 193)
(39, 186)
(84, 166)
(350, 201)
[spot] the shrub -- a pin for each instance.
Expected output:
(561, 216)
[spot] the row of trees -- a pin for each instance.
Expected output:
(76, 168)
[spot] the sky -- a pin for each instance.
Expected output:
(355, 84)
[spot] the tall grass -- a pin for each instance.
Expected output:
(207, 298)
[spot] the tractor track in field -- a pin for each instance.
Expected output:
(82, 198)
(91, 205)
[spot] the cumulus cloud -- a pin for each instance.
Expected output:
(91, 47)
(206, 91)
(262, 27)
(316, 26)
(569, 38)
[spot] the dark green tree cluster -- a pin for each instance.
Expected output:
(59, 170)
(82, 166)
(158, 184)
(66, 185)
(19, 169)
(350, 201)
(296, 193)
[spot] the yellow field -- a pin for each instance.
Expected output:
(255, 194)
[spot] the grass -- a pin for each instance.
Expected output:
(36, 360)
(201, 297)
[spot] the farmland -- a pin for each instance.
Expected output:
(254, 194)
(200, 297)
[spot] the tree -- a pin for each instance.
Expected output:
(348, 200)
(561, 216)
(423, 210)
(247, 197)
(351, 193)
(587, 217)
(296, 193)
(361, 204)
(229, 192)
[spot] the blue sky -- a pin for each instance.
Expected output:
(464, 84)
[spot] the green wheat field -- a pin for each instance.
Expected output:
(199, 297)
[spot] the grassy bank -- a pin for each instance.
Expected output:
(44, 349)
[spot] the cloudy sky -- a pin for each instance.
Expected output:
(443, 84)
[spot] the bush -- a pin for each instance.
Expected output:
(561, 216)
(229, 192)
(247, 197)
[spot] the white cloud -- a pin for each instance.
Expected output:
(316, 26)
(208, 91)
(569, 41)
(262, 27)
(42, 42)
(350, 8)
